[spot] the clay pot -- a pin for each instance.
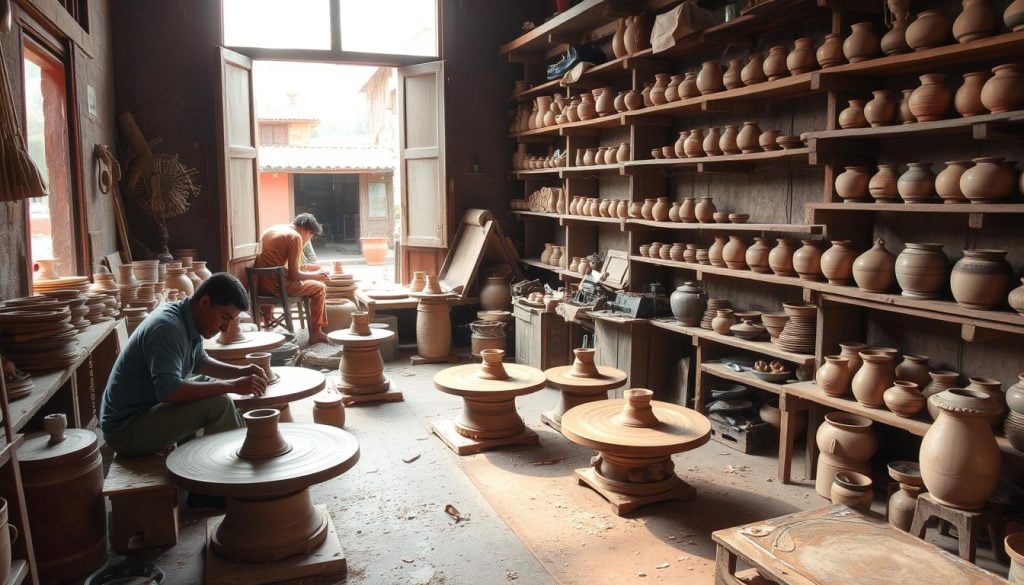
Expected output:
(753, 71)
(688, 210)
(921, 272)
(545, 256)
(495, 294)
(633, 100)
(735, 253)
(990, 180)
(339, 314)
(638, 34)
(716, 251)
(801, 59)
(881, 110)
(894, 42)
(851, 351)
(930, 29)
(704, 211)
(903, 111)
(688, 304)
(622, 154)
(756, 256)
(967, 100)
(830, 53)
(645, 93)
(199, 269)
(947, 182)
(635, 208)
(845, 442)
(1014, 543)
(176, 279)
(874, 270)
(672, 90)
(917, 183)
(605, 104)
(723, 321)
(658, 91)
(834, 376)
(775, 64)
(931, 100)
(941, 381)
(647, 210)
(1004, 92)
(556, 255)
(852, 184)
(780, 259)
(659, 211)
(1015, 395)
(914, 368)
(599, 155)
(328, 409)
(902, 505)
(676, 252)
(959, 456)
(746, 140)
(807, 260)
(853, 490)
(981, 279)
(727, 143)
(862, 44)
(837, 262)
(711, 142)
(1013, 16)
(590, 157)
(852, 116)
(882, 185)
(688, 87)
(994, 389)
(587, 109)
(8, 534)
(693, 146)
(1016, 301)
(768, 140)
(619, 39)
(976, 21)
(874, 376)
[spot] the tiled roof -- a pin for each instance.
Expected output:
(325, 158)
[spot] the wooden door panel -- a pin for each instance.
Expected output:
(421, 155)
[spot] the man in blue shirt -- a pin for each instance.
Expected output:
(150, 403)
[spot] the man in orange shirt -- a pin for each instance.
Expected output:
(281, 245)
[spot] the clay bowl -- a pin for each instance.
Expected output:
(788, 142)
(668, 151)
(739, 217)
(774, 322)
(906, 472)
(745, 330)
(656, 153)
(772, 377)
(801, 310)
(729, 392)
(721, 216)
(742, 316)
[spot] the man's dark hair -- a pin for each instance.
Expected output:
(224, 289)
(307, 221)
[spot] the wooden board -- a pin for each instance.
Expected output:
(445, 430)
(623, 503)
(136, 474)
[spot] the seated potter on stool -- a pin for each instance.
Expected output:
(282, 245)
(149, 403)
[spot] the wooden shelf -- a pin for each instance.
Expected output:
(822, 212)
(720, 370)
(731, 100)
(590, 219)
(7, 448)
(763, 347)
(533, 172)
(609, 71)
(536, 263)
(568, 27)
(544, 214)
(592, 169)
(702, 269)
(782, 228)
(707, 164)
(581, 127)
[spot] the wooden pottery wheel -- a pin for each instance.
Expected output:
(488, 390)
(235, 352)
(265, 471)
(290, 384)
(635, 438)
(581, 382)
(361, 368)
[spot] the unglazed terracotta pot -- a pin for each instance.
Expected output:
(715, 252)
(676, 252)
(1013, 16)
(834, 376)
(931, 100)
(679, 147)
(807, 260)
(851, 351)
(902, 505)
(853, 490)
(734, 253)
(830, 53)
(732, 78)
(874, 376)
(659, 212)
(882, 185)
(709, 80)
(967, 100)
(852, 116)
(673, 212)
(941, 381)
(845, 442)
(994, 389)
(837, 262)
(990, 180)
(976, 20)
(947, 182)
(727, 143)
(921, 272)
(647, 211)
(622, 154)
(768, 140)
(852, 183)
(917, 183)
(1016, 301)
(914, 368)
(711, 142)
(693, 146)
(959, 456)
(801, 59)
(556, 256)
(658, 91)
(587, 109)
(775, 64)
(780, 259)
(930, 29)
(633, 100)
(619, 39)
(690, 253)
(747, 138)
(874, 270)
(903, 398)
(981, 279)
(495, 294)
(638, 33)
(545, 256)
(894, 42)
(881, 110)
(605, 104)
(1015, 395)
(705, 210)
(724, 319)
(753, 71)
(903, 109)
(635, 208)
(1004, 92)
(756, 256)
(688, 210)
(862, 44)
(176, 279)
(688, 86)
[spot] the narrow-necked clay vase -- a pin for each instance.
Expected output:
(845, 442)
(862, 44)
(881, 110)
(990, 180)
(709, 80)
(882, 185)
(852, 116)
(874, 270)
(903, 110)
(875, 375)
(727, 143)
(1013, 16)
(967, 100)
(753, 71)
(757, 256)
(931, 100)
(917, 183)
(801, 59)
(775, 64)
(947, 182)
(1004, 92)
(981, 279)
(688, 303)
(921, 272)
(807, 260)
(780, 259)
(976, 20)
(903, 398)
(693, 146)
(688, 87)
(747, 139)
(830, 53)
(735, 252)
(834, 376)
(959, 456)
(941, 381)
(851, 351)
(894, 42)
(930, 29)
(852, 184)
(837, 262)
(705, 210)
(732, 78)
(711, 142)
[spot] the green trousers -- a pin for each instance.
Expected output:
(168, 423)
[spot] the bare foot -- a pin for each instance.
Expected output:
(315, 338)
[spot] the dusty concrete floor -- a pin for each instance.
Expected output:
(529, 520)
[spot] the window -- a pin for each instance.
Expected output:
(278, 24)
(52, 222)
(393, 27)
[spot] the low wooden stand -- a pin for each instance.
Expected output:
(417, 360)
(623, 503)
(143, 504)
(968, 523)
(463, 445)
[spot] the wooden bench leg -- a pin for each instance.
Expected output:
(967, 539)
(920, 523)
(725, 567)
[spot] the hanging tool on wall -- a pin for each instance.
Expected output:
(108, 176)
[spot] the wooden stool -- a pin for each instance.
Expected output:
(143, 503)
(967, 523)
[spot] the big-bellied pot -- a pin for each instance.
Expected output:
(375, 250)
(921, 270)
(845, 442)
(874, 376)
(688, 303)
(495, 294)
(981, 279)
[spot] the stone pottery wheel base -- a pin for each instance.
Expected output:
(328, 559)
(463, 445)
(624, 503)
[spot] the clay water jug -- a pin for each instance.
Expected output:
(875, 375)
(853, 490)
(756, 256)
(746, 140)
(688, 87)
(619, 39)
(735, 252)
(622, 154)
(874, 270)
(894, 42)
(587, 109)
(837, 262)
(693, 146)
(903, 110)
(801, 59)
(852, 116)
(659, 212)
(679, 147)
(930, 29)
(1004, 92)
(807, 260)
(775, 64)
(711, 142)
(658, 90)
(724, 319)
(881, 110)
(976, 20)
(709, 80)
(830, 53)
(917, 183)
(862, 44)
(845, 442)
(959, 456)
(727, 143)
(967, 99)
(672, 91)
(753, 71)
(932, 99)
(1013, 16)
(673, 212)
(882, 185)
(733, 77)
(688, 210)
(981, 279)
(834, 376)
(705, 210)
(638, 34)
(715, 252)
(495, 294)
(634, 100)
(921, 273)
(990, 180)
(903, 398)
(688, 303)
(605, 103)
(780, 259)
(1016, 301)
(947, 182)
(851, 351)
(852, 184)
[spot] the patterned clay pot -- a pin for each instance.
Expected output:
(658, 91)
(941, 381)
(852, 184)
(1015, 395)
(757, 256)
(990, 180)
(882, 185)
(862, 44)
(768, 140)
(693, 146)
(727, 144)
(709, 80)
(688, 303)
(1004, 92)
(807, 260)
(676, 252)
(775, 64)
(881, 110)
(834, 376)
(732, 79)
(903, 111)
(932, 99)
(705, 210)
(830, 53)
(917, 183)
(801, 59)
(747, 138)
(753, 71)
(874, 270)
(735, 253)
(688, 210)
(780, 259)
(976, 21)
(659, 212)
(873, 378)
(711, 142)
(967, 100)
(947, 182)
(903, 398)
(930, 29)
(981, 279)
(837, 262)
(846, 442)
(852, 116)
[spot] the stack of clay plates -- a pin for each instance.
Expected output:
(78, 283)
(144, 297)
(340, 286)
(97, 306)
(798, 334)
(18, 383)
(146, 270)
(38, 340)
(133, 316)
(712, 311)
(103, 282)
(129, 294)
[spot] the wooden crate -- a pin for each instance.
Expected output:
(542, 337)
(755, 437)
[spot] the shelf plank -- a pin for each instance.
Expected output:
(767, 90)
(524, 213)
(763, 347)
(590, 219)
(793, 155)
(783, 228)
(938, 127)
(7, 448)
(984, 208)
(702, 269)
(536, 263)
(531, 172)
(591, 169)
(583, 126)
(574, 22)
(720, 370)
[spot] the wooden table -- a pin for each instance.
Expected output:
(838, 546)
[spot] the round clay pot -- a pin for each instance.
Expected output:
(679, 148)
(976, 20)
(753, 71)
(709, 80)
(894, 42)
(917, 183)
(746, 140)
(874, 270)
(688, 304)
(853, 490)
(727, 144)
(834, 376)
(852, 116)
(638, 34)
(635, 208)
(672, 91)
(622, 154)
(1015, 395)
(711, 142)
(959, 456)
(688, 210)
(619, 39)
(914, 368)
(543, 107)
(732, 78)
(587, 109)
(830, 53)
(780, 259)
(1014, 543)
(874, 376)
(941, 381)
(659, 212)
(882, 185)
(605, 104)
(903, 110)
(633, 100)
(807, 260)
(705, 210)
(688, 88)
(903, 398)
(495, 294)
(862, 44)
(693, 146)
(801, 59)
(930, 29)
(717, 250)
(1013, 16)
(589, 157)
(724, 319)
(767, 140)
(994, 389)
(947, 182)
(339, 314)
(647, 210)
(921, 272)
(990, 180)
(851, 351)
(775, 64)
(981, 279)
(676, 252)
(967, 100)
(902, 505)
(673, 212)
(931, 100)
(837, 262)
(177, 279)
(1016, 301)
(852, 184)
(545, 256)
(734, 254)
(690, 253)
(881, 110)
(658, 91)
(845, 442)
(556, 255)
(756, 256)
(1004, 92)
